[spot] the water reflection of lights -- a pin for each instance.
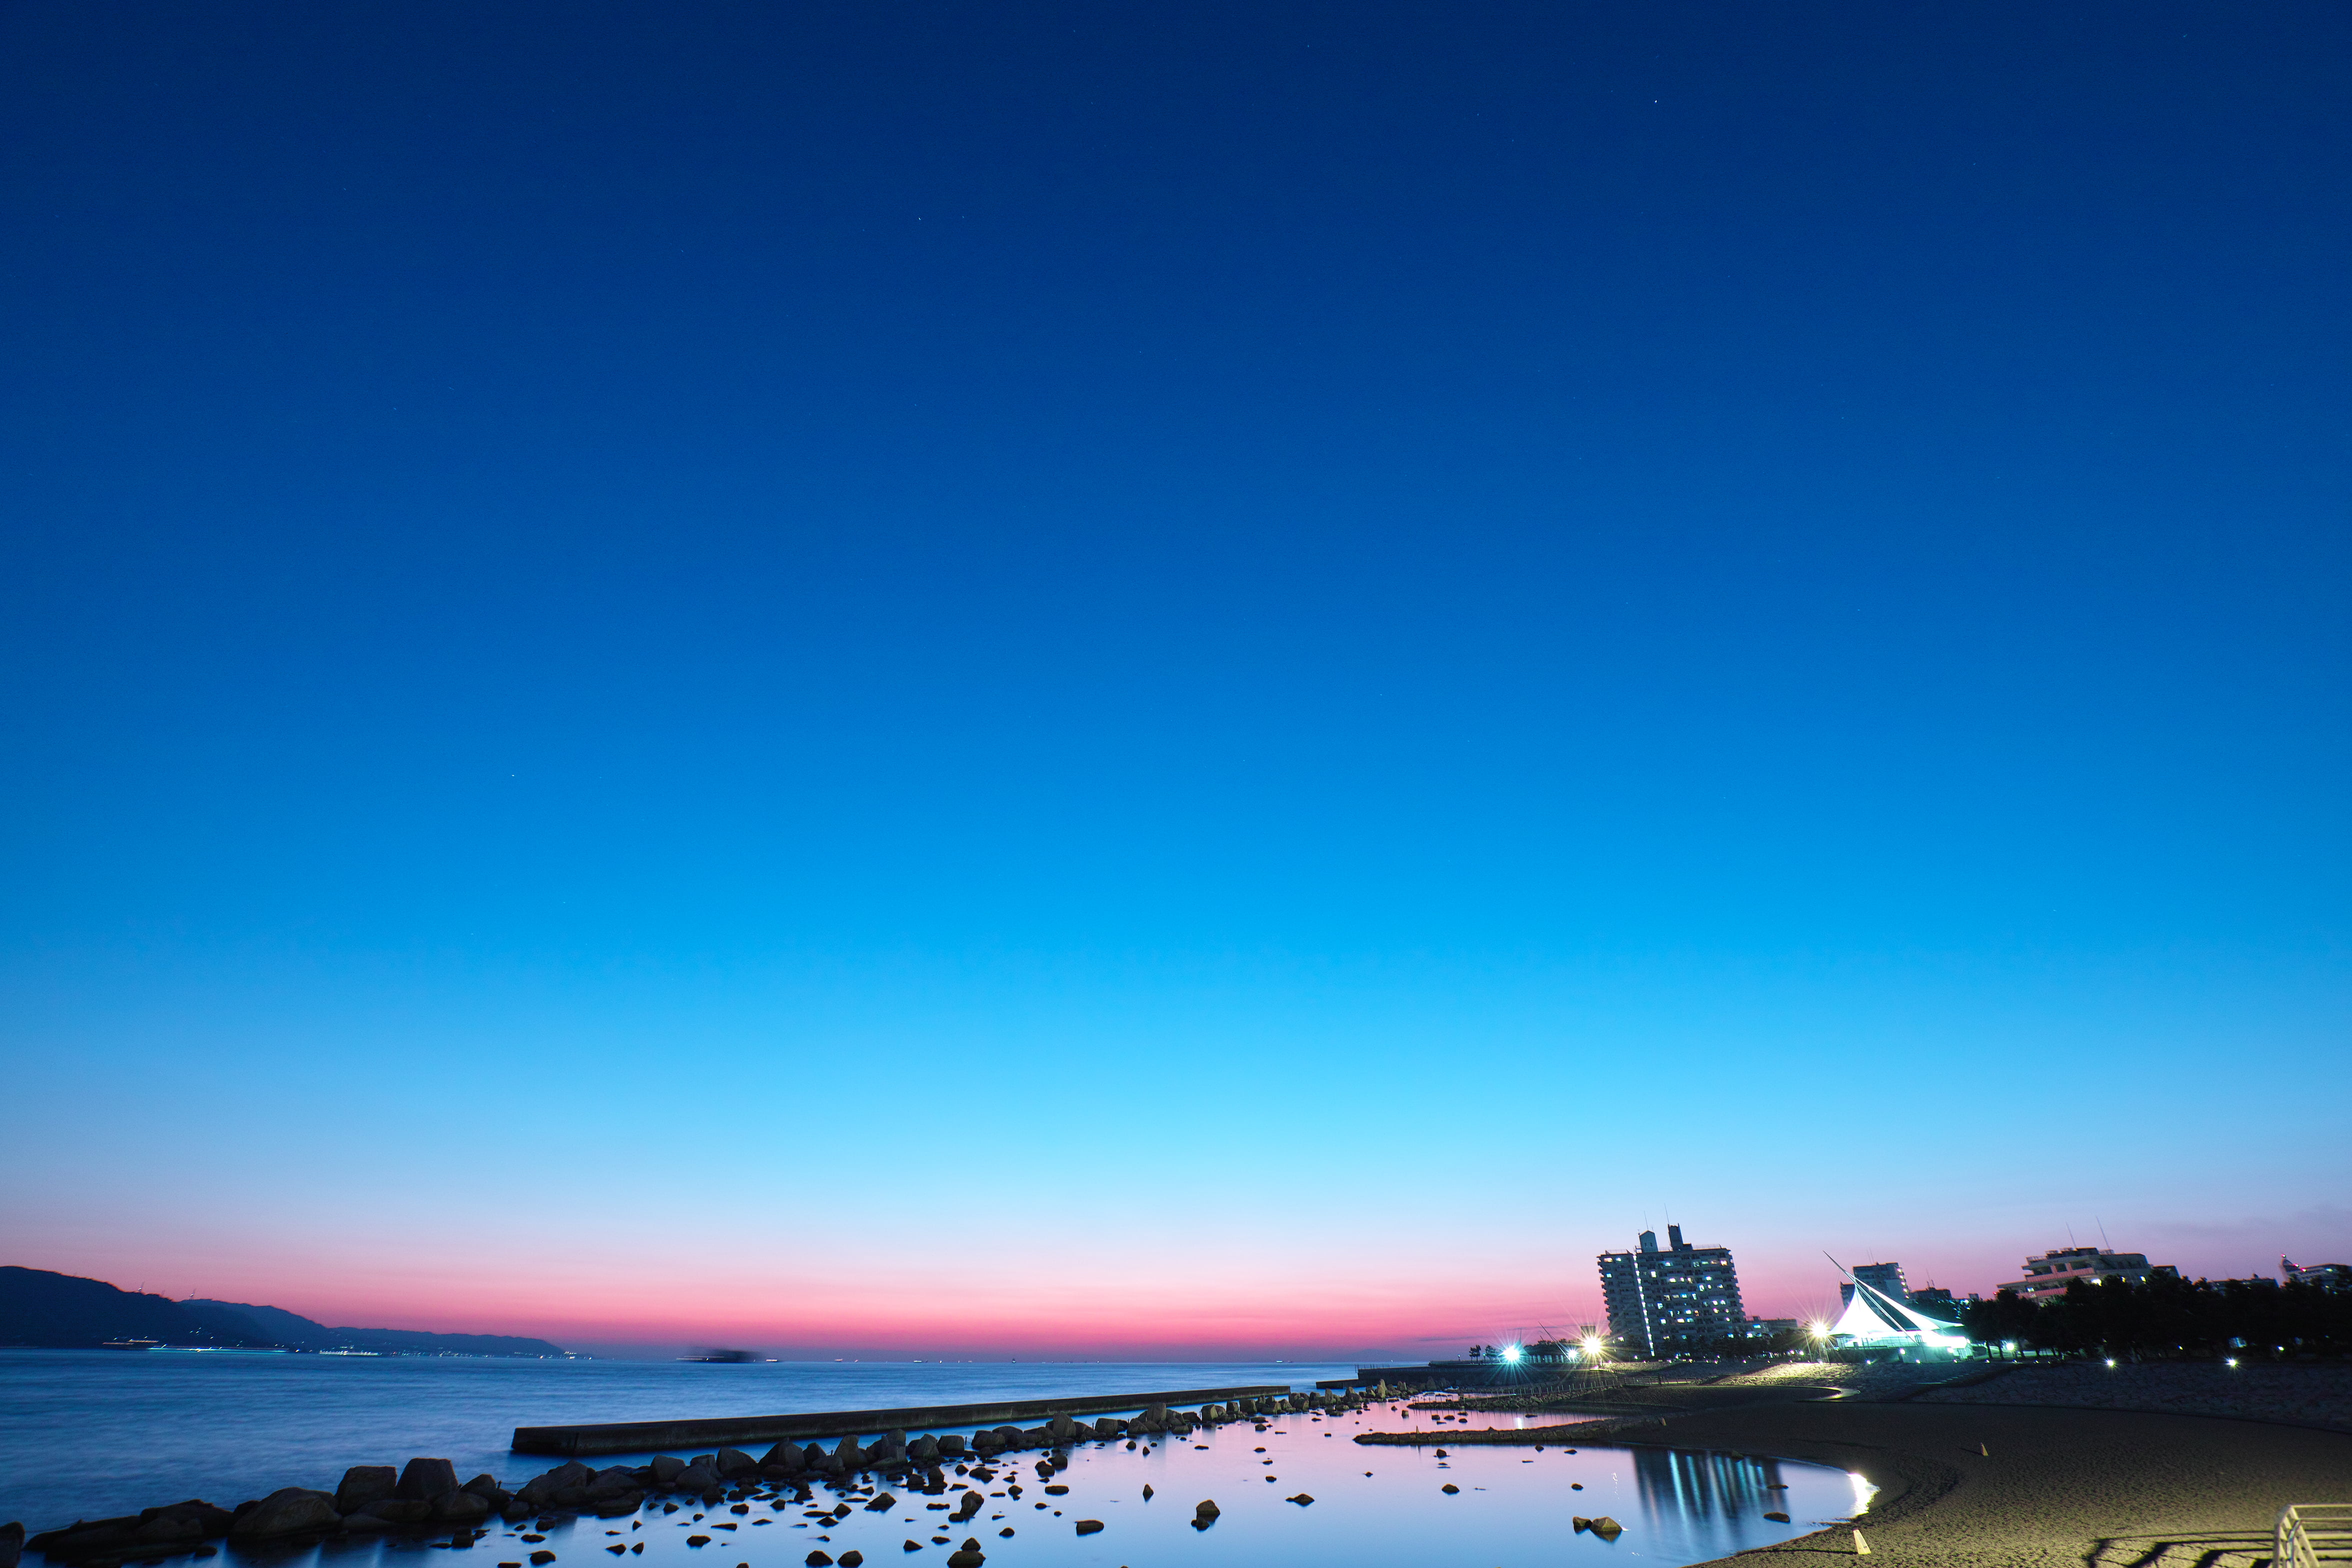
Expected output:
(1863, 1492)
(1705, 1485)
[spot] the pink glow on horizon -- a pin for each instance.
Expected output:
(1311, 1307)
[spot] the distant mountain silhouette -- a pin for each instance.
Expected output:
(276, 1325)
(38, 1307)
(64, 1311)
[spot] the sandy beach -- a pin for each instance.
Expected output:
(1980, 1477)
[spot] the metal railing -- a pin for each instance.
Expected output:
(2311, 1533)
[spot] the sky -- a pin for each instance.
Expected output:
(925, 679)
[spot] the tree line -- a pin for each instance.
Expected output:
(2166, 1317)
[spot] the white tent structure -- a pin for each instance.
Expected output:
(1875, 1320)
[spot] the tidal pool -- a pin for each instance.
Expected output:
(1375, 1507)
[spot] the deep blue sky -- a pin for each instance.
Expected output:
(811, 590)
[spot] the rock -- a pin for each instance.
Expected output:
(393, 1511)
(12, 1543)
(924, 1450)
(734, 1464)
(667, 1467)
(170, 1531)
(693, 1479)
(364, 1484)
(1302, 1500)
(818, 1558)
(1449, 1488)
(459, 1507)
(698, 1541)
(1057, 1490)
(852, 1558)
(1576, 1486)
(88, 1538)
(1442, 1454)
(966, 1558)
(882, 1504)
(212, 1522)
(541, 1491)
(1776, 1518)
(1147, 1491)
(910, 1546)
(293, 1510)
(1581, 1523)
(950, 1445)
(542, 1559)
(1090, 1526)
(427, 1478)
(1062, 1427)
(1607, 1528)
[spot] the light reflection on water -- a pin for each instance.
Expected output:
(1512, 1510)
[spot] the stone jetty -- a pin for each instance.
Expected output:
(643, 1437)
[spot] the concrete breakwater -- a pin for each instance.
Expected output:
(643, 1436)
(425, 1495)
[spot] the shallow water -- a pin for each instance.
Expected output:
(1513, 1507)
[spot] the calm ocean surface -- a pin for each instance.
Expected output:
(85, 1434)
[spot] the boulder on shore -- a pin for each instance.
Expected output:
(152, 1533)
(427, 1478)
(12, 1543)
(540, 1491)
(667, 1467)
(734, 1463)
(290, 1510)
(364, 1484)
(460, 1506)
(486, 1487)
(389, 1513)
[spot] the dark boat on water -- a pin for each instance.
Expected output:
(725, 1358)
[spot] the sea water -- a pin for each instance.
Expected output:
(85, 1434)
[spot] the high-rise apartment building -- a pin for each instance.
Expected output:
(2049, 1274)
(1665, 1301)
